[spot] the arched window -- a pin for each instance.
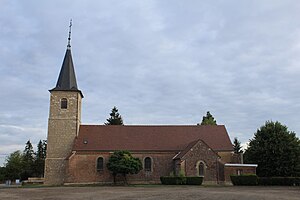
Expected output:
(64, 103)
(100, 164)
(201, 169)
(148, 164)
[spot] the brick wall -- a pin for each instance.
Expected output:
(82, 167)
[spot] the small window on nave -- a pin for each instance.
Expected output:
(201, 169)
(64, 103)
(100, 164)
(148, 164)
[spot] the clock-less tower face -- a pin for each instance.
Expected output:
(63, 126)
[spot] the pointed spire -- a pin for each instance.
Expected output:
(67, 78)
(69, 38)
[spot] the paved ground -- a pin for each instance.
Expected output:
(151, 192)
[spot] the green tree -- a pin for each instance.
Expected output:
(14, 165)
(115, 118)
(276, 151)
(208, 120)
(23, 165)
(2, 174)
(40, 156)
(122, 162)
(44, 152)
(237, 146)
(28, 161)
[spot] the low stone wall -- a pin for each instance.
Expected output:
(238, 169)
(34, 180)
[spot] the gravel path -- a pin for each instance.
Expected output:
(151, 192)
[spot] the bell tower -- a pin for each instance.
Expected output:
(64, 120)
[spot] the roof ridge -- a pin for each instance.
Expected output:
(151, 125)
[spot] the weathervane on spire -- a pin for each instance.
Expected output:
(69, 38)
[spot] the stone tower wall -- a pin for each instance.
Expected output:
(63, 126)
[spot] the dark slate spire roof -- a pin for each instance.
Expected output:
(67, 78)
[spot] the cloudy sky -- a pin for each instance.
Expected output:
(159, 62)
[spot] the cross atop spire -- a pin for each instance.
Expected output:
(69, 38)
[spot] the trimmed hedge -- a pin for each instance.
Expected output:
(170, 180)
(252, 179)
(245, 179)
(285, 181)
(297, 181)
(181, 180)
(194, 180)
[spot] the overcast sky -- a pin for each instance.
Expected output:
(159, 62)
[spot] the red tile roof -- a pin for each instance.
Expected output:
(150, 138)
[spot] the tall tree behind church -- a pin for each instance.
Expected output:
(28, 161)
(237, 146)
(39, 162)
(208, 119)
(115, 117)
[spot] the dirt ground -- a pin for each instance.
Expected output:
(151, 192)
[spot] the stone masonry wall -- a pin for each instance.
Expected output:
(201, 153)
(55, 171)
(226, 156)
(234, 170)
(63, 125)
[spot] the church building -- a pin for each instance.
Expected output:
(78, 153)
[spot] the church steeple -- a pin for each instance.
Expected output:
(67, 78)
(64, 121)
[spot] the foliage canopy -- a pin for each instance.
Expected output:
(40, 157)
(237, 146)
(208, 119)
(20, 165)
(122, 162)
(276, 151)
(28, 161)
(14, 165)
(115, 117)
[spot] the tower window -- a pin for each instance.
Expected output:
(100, 164)
(148, 164)
(64, 103)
